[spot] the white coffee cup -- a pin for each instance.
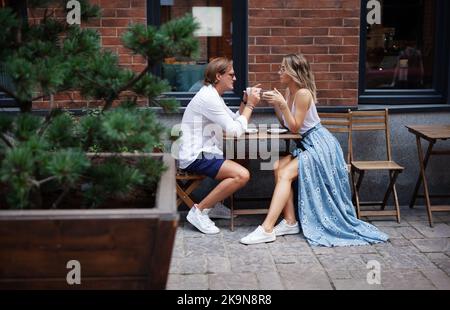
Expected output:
(250, 89)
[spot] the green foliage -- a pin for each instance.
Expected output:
(48, 154)
(180, 33)
(113, 177)
(67, 165)
(62, 132)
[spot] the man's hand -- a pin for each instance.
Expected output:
(254, 97)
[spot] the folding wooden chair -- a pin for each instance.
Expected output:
(374, 121)
(340, 123)
(186, 184)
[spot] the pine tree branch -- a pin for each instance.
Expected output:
(127, 86)
(4, 139)
(39, 183)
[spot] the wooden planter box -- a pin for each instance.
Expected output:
(116, 248)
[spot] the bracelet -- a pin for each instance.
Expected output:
(250, 106)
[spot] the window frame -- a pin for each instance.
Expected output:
(239, 48)
(438, 94)
(5, 100)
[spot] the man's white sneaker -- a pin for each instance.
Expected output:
(201, 221)
(259, 235)
(219, 211)
(283, 228)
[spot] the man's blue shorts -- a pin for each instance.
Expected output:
(206, 165)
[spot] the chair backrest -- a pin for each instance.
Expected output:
(372, 121)
(339, 123)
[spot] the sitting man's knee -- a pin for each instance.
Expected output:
(244, 176)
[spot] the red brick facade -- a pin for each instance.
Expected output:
(325, 31)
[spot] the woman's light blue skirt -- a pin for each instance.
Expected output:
(325, 208)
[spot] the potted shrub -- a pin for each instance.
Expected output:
(85, 199)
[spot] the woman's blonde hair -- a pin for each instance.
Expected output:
(298, 68)
(217, 65)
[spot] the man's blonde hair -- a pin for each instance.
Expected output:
(217, 65)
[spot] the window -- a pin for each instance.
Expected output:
(223, 33)
(404, 53)
(5, 81)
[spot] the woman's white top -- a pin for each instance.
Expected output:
(311, 118)
(205, 119)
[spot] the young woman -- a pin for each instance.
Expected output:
(325, 208)
(204, 120)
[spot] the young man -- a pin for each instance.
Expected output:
(205, 115)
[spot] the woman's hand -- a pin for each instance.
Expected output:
(275, 98)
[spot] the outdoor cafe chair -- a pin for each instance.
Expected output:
(374, 121)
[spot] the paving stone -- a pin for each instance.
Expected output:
(287, 248)
(218, 264)
(432, 244)
(389, 223)
(399, 242)
(405, 280)
(339, 274)
(323, 250)
(255, 261)
(362, 249)
(298, 238)
(301, 262)
(440, 230)
(404, 258)
(212, 245)
(410, 233)
(188, 265)
(439, 278)
(285, 259)
(341, 261)
(233, 281)
(441, 260)
(178, 248)
(269, 281)
(187, 282)
(355, 284)
(294, 278)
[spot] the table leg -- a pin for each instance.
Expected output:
(424, 179)
(419, 178)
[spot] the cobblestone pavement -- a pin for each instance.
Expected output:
(416, 257)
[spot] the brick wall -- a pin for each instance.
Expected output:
(325, 31)
(116, 16)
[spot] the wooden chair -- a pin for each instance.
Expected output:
(186, 184)
(340, 123)
(374, 121)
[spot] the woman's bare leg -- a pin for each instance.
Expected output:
(288, 210)
(233, 177)
(281, 194)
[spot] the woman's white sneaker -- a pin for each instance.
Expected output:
(200, 220)
(259, 235)
(283, 228)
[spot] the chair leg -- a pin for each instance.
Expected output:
(232, 212)
(356, 191)
(392, 177)
(184, 196)
(397, 206)
(391, 188)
